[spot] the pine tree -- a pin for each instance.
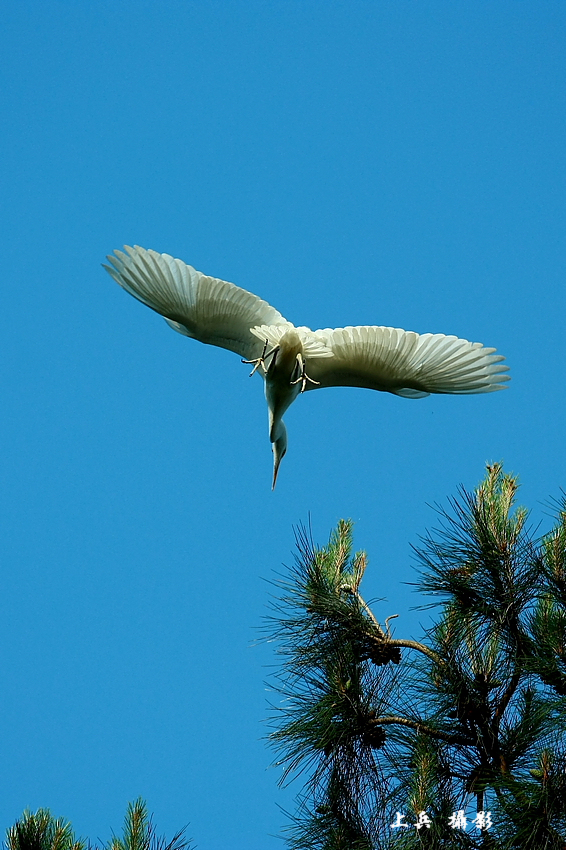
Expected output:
(457, 740)
(42, 831)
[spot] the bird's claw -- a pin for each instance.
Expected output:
(260, 361)
(303, 378)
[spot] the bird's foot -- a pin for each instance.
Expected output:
(260, 361)
(304, 379)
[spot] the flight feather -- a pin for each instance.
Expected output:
(405, 363)
(196, 305)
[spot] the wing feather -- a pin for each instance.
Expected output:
(405, 363)
(204, 308)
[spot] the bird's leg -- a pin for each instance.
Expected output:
(260, 361)
(303, 377)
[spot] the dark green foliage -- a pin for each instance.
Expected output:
(334, 694)
(471, 720)
(139, 833)
(41, 831)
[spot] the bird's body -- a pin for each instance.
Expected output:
(282, 378)
(296, 359)
(282, 386)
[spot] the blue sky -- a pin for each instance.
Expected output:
(393, 163)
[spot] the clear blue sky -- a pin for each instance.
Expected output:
(393, 163)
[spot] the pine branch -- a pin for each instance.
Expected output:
(427, 730)
(419, 647)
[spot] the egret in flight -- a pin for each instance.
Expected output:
(293, 360)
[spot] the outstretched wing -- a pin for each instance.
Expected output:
(405, 363)
(198, 306)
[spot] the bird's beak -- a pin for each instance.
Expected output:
(276, 461)
(279, 448)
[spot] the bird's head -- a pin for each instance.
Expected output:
(279, 447)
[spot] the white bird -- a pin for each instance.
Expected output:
(293, 359)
